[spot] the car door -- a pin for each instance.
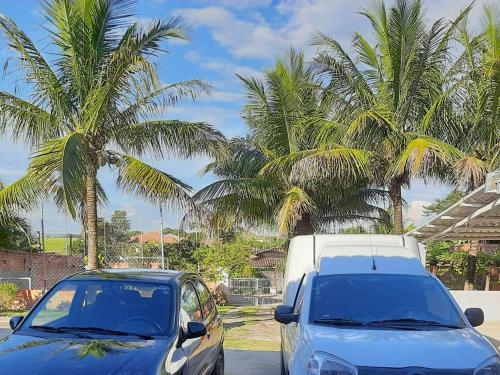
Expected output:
(291, 332)
(212, 321)
(189, 311)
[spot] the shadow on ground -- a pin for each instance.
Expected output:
(252, 362)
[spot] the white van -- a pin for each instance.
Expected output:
(365, 305)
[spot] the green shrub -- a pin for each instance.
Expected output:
(8, 292)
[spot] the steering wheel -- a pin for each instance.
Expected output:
(146, 320)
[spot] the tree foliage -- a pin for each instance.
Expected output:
(96, 100)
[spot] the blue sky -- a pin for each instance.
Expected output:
(227, 37)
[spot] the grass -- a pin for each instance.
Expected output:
(248, 311)
(11, 313)
(225, 309)
(244, 329)
(56, 245)
(233, 343)
(237, 339)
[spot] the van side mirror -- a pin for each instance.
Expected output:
(475, 316)
(14, 321)
(284, 314)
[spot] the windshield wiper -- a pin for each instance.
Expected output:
(57, 330)
(341, 322)
(358, 323)
(106, 331)
(411, 321)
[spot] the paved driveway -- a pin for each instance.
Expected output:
(4, 326)
(252, 362)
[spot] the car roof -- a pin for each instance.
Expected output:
(158, 276)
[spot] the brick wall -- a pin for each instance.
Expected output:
(45, 269)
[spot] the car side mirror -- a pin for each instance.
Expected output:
(14, 321)
(475, 316)
(194, 330)
(284, 314)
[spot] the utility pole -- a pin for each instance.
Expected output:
(161, 239)
(104, 243)
(42, 242)
(43, 249)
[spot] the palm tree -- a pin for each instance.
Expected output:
(284, 111)
(385, 95)
(98, 102)
(473, 96)
(14, 230)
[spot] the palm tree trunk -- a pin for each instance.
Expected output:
(470, 273)
(397, 207)
(304, 225)
(91, 212)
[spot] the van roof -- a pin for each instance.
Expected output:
(350, 253)
(349, 259)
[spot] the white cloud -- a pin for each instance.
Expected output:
(415, 211)
(224, 67)
(243, 39)
(297, 21)
(255, 38)
(238, 4)
(226, 120)
(223, 96)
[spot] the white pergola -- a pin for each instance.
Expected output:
(474, 217)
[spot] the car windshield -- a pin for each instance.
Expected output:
(398, 300)
(104, 307)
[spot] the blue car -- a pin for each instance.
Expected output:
(118, 322)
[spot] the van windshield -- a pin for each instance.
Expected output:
(382, 300)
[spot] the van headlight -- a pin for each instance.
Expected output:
(489, 367)
(325, 364)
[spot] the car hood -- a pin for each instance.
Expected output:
(438, 349)
(20, 354)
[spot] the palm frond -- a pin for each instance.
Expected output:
(155, 186)
(174, 137)
(295, 202)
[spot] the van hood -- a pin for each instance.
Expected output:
(433, 349)
(20, 354)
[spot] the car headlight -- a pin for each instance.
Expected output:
(325, 364)
(489, 367)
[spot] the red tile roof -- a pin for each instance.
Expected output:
(271, 258)
(155, 237)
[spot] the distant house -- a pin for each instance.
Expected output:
(270, 264)
(154, 237)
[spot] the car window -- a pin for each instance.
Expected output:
(206, 300)
(57, 305)
(190, 309)
(120, 305)
(299, 298)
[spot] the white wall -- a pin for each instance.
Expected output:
(488, 301)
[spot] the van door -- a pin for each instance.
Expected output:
(291, 336)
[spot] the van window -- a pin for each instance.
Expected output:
(382, 299)
(299, 298)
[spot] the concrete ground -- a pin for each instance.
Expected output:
(491, 330)
(4, 326)
(252, 362)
